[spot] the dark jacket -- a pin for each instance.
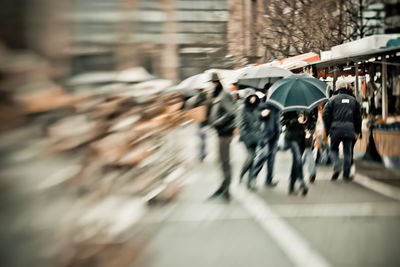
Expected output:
(270, 127)
(222, 114)
(294, 131)
(342, 115)
(248, 120)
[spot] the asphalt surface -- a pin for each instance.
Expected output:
(336, 224)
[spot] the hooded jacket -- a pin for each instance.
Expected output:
(248, 121)
(342, 115)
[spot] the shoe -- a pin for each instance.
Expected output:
(217, 193)
(348, 179)
(291, 190)
(251, 185)
(335, 175)
(271, 183)
(226, 195)
(312, 178)
(304, 190)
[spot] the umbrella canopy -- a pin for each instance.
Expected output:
(258, 76)
(198, 81)
(192, 84)
(297, 92)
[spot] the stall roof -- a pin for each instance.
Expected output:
(353, 59)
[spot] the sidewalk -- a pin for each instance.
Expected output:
(377, 171)
(268, 227)
(376, 177)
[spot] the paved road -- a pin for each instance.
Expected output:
(337, 224)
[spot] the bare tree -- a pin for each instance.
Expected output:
(286, 28)
(294, 27)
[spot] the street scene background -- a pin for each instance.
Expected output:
(103, 162)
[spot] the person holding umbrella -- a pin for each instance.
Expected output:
(297, 92)
(295, 141)
(342, 120)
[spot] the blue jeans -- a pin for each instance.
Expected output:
(347, 153)
(266, 152)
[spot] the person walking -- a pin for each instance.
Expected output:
(268, 144)
(249, 131)
(222, 119)
(295, 141)
(342, 120)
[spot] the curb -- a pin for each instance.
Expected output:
(379, 187)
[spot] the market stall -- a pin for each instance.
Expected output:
(374, 65)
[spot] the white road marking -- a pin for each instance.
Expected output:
(338, 210)
(295, 247)
(379, 187)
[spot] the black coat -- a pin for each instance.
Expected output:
(342, 115)
(248, 121)
(269, 126)
(294, 130)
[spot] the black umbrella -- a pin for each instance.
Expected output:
(300, 92)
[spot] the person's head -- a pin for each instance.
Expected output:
(216, 84)
(215, 78)
(341, 84)
(251, 99)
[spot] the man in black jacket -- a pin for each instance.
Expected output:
(222, 118)
(342, 121)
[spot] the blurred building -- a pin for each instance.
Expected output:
(170, 38)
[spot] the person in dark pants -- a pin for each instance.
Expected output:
(295, 141)
(268, 144)
(249, 131)
(222, 118)
(342, 120)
